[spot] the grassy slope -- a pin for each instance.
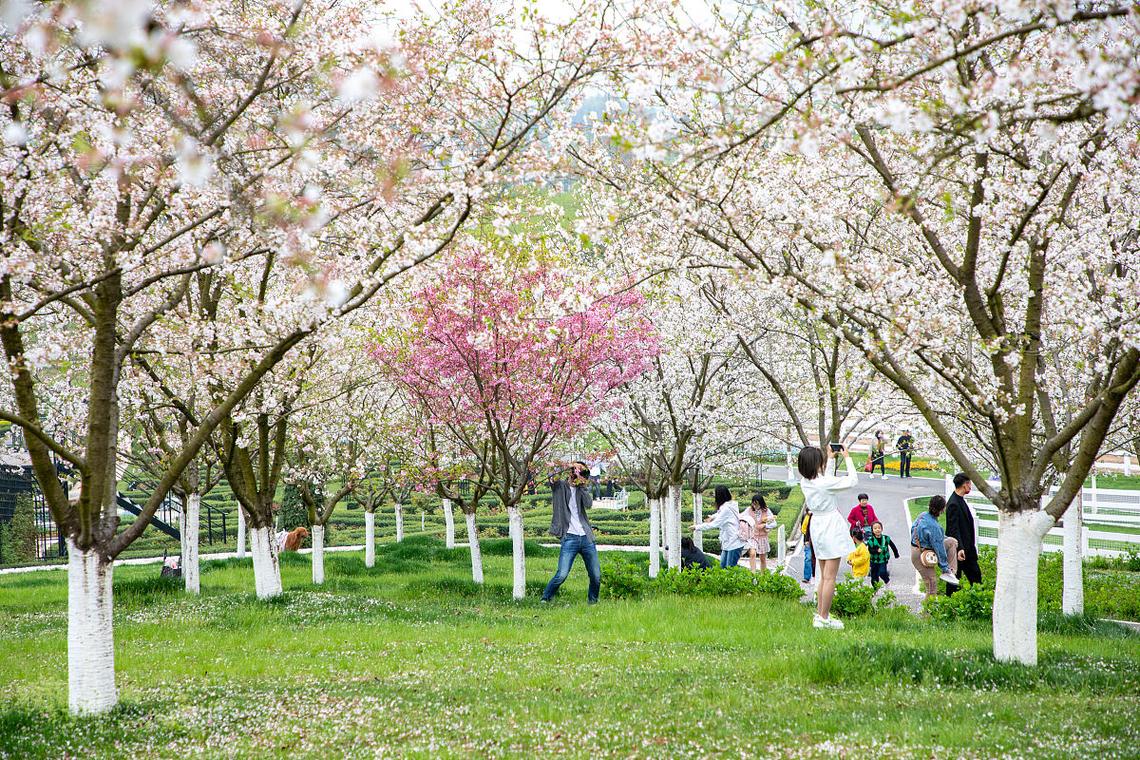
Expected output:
(411, 657)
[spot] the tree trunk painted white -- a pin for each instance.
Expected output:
(318, 554)
(665, 527)
(241, 534)
(1127, 464)
(399, 523)
(1073, 590)
(1015, 589)
(448, 524)
(369, 539)
(188, 528)
(266, 570)
(518, 552)
(90, 636)
(654, 537)
(423, 522)
(476, 552)
(781, 546)
(698, 506)
(674, 540)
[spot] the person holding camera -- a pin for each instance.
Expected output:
(568, 523)
(830, 536)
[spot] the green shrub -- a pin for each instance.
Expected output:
(624, 579)
(18, 536)
(852, 598)
(970, 602)
(293, 513)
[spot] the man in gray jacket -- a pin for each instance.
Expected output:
(571, 498)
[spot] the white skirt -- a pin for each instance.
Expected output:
(830, 536)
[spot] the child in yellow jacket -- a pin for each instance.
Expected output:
(860, 559)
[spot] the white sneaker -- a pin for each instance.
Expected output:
(835, 623)
(818, 622)
(950, 579)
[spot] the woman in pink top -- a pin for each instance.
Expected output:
(862, 515)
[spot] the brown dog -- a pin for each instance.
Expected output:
(295, 537)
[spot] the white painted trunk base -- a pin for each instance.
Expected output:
(90, 636)
(1073, 588)
(673, 541)
(188, 527)
(369, 539)
(518, 552)
(654, 537)
(1015, 589)
(399, 523)
(698, 517)
(448, 524)
(318, 554)
(266, 570)
(476, 552)
(241, 541)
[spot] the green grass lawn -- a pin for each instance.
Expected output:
(411, 658)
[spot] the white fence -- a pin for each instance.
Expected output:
(1111, 521)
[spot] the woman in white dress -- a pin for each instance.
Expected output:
(830, 538)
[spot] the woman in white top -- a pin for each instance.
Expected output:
(830, 538)
(726, 519)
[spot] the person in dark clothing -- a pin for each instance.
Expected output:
(962, 525)
(905, 445)
(691, 556)
(879, 454)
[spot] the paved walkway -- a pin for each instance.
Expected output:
(888, 498)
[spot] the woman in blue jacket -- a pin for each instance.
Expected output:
(927, 535)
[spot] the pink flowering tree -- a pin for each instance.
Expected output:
(504, 353)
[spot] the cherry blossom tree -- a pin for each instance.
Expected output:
(334, 436)
(313, 145)
(521, 349)
(958, 210)
(695, 404)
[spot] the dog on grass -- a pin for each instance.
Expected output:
(291, 541)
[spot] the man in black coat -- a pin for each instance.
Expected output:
(905, 445)
(961, 524)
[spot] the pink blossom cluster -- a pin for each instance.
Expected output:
(519, 345)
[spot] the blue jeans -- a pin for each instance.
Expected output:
(809, 562)
(572, 546)
(731, 557)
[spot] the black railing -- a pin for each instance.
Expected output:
(168, 511)
(216, 526)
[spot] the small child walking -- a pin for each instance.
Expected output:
(880, 545)
(755, 523)
(860, 559)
